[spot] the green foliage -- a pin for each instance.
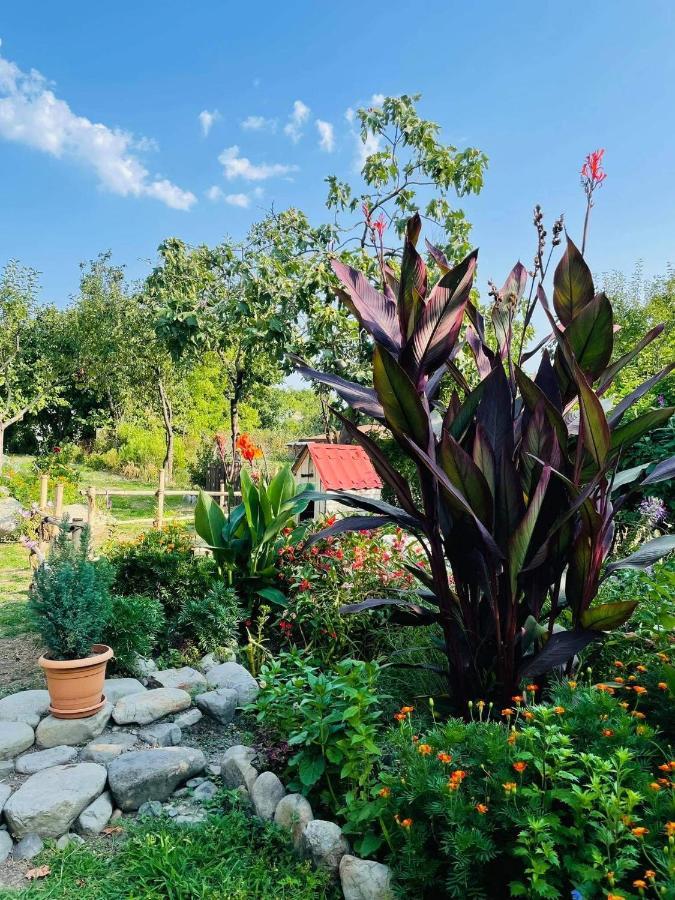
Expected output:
(231, 855)
(135, 623)
(543, 806)
(212, 621)
(513, 497)
(160, 563)
(69, 598)
(246, 542)
(329, 718)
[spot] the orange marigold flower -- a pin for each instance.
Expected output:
(528, 715)
(619, 679)
(664, 782)
(663, 657)
(406, 710)
(384, 792)
(650, 874)
(510, 787)
(636, 714)
(618, 664)
(520, 766)
(531, 687)
(655, 786)
(662, 686)
(481, 808)
(399, 716)
(641, 729)
(507, 712)
(640, 883)
(559, 710)
(615, 897)
(512, 738)
(406, 823)
(605, 688)
(572, 684)
(670, 829)
(623, 704)
(640, 668)
(518, 699)
(444, 757)
(627, 821)
(632, 677)
(415, 738)
(424, 749)
(664, 767)
(607, 732)
(640, 831)
(639, 689)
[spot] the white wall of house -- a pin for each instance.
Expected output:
(306, 474)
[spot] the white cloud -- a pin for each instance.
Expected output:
(242, 200)
(350, 115)
(236, 166)
(377, 99)
(206, 120)
(366, 148)
(214, 193)
(326, 135)
(31, 114)
(296, 120)
(259, 123)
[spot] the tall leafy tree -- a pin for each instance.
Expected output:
(28, 381)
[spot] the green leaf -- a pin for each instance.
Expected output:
(210, 520)
(533, 396)
(632, 431)
(273, 595)
(402, 406)
(594, 427)
(466, 477)
(669, 677)
(647, 555)
(572, 285)
(607, 616)
(591, 339)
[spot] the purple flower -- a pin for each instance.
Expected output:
(653, 509)
(661, 400)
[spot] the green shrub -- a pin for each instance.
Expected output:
(211, 621)
(69, 598)
(558, 798)
(160, 563)
(329, 719)
(134, 626)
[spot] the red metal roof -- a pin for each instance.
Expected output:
(343, 467)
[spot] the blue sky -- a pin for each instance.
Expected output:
(105, 147)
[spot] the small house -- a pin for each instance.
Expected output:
(335, 467)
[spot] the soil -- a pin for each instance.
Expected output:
(19, 670)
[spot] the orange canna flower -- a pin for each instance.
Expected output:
(640, 831)
(481, 808)
(520, 766)
(424, 749)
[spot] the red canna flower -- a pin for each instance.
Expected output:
(592, 173)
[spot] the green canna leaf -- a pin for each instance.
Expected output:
(572, 285)
(607, 616)
(402, 405)
(632, 431)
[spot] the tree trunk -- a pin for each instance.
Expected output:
(167, 416)
(2, 445)
(234, 427)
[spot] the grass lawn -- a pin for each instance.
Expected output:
(230, 856)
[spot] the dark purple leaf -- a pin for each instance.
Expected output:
(663, 471)
(349, 524)
(467, 478)
(376, 313)
(438, 256)
(533, 396)
(363, 399)
(494, 413)
(404, 613)
(514, 286)
(478, 348)
(413, 285)
(572, 284)
(558, 650)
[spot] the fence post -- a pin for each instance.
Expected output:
(58, 502)
(221, 498)
(44, 492)
(91, 506)
(160, 498)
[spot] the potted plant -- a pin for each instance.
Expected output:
(70, 603)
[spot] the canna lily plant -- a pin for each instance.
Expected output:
(519, 474)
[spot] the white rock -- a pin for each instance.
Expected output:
(108, 746)
(266, 792)
(145, 708)
(10, 515)
(241, 750)
(95, 817)
(51, 732)
(144, 667)
(116, 688)
(6, 845)
(293, 813)
(15, 737)
(324, 843)
(31, 763)
(5, 791)
(219, 704)
(50, 801)
(184, 678)
(364, 879)
(232, 675)
(26, 706)
(152, 774)
(188, 718)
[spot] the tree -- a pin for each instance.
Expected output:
(243, 302)
(27, 379)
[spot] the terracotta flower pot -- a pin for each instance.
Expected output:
(76, 685)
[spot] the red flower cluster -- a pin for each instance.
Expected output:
(247, 448)
(592, 173)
